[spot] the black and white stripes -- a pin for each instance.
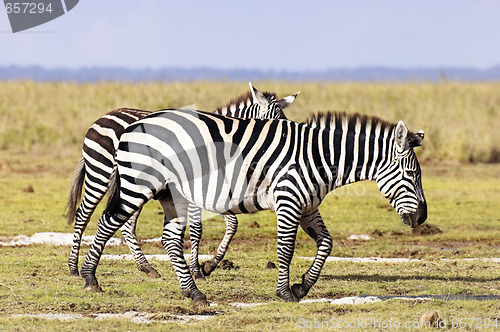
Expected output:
(97, 163)
(231, 166)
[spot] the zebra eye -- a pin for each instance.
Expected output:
(410, 173)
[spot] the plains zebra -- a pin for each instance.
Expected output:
(96, 165)
(231, 166)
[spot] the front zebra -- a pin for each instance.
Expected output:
(232, 166)
(97, 162)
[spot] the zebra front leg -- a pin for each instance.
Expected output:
(288, 217)
(107, 227)
(231, 228)
(195, 232)
(128, 232)
(314, 226)
(173, 242)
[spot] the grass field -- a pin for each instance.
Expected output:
(461, 121)
(41, 130)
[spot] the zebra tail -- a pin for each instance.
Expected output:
(75, 191)
(113, 192)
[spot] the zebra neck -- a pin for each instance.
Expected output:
(356, 153)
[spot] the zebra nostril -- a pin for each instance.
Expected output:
(406, 219)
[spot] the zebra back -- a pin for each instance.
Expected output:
(330, 151)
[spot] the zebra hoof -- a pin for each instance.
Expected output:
(200, 302)
(153, 274)
(198, 275)
(286, 296)
(208, 267)
(93, 288)
(197, 298)
(74, 273)
(299, 291)
(149, 270)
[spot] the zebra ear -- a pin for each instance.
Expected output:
(401, 136)
(258, 97)
(287, 101)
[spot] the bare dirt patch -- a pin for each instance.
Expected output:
(29, 189)
(426, 229)
(226, 264)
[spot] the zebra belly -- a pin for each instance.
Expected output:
(248, 202)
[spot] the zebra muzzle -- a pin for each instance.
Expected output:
(417, 218)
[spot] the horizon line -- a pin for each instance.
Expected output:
(207, 67)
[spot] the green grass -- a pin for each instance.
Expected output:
(42, 285)
(462, 203)
(462, 199)
(460, 120)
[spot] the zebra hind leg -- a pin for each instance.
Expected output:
(108, 225)
(231, 228)
(173, 241)
(314, 226)
(82, 219)
(128, 232)
(195, 232)
(75, 248)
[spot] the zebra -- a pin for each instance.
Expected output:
(97, 162)
(232, 166)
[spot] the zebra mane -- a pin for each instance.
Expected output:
(328, 120)
(245, 99)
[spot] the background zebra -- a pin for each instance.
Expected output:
(229, 166)
(97, 162)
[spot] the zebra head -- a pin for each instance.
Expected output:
(400, 180)
(269, 107)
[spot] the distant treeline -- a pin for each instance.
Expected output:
(362, 74)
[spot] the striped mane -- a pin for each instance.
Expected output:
(329, 120)
(243, 101)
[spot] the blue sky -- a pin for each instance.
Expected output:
(277, 35)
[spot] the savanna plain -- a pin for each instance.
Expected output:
(451, 270)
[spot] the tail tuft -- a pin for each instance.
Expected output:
(75, 191)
